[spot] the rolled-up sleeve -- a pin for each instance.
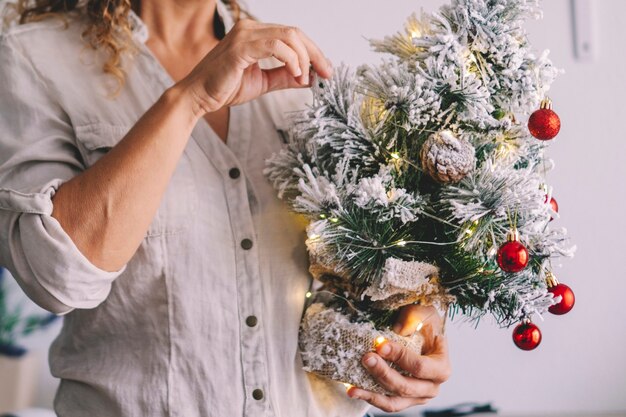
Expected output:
(38, 153)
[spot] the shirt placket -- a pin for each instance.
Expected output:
(249, 288)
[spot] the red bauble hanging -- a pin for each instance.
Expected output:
(568, 299)
(544, 124)
(513, 255)
(526, 335)
(553, 204)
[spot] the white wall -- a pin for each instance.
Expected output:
(581, 364)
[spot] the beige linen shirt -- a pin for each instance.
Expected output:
(203, 321)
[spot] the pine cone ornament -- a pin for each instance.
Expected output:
(446, 158)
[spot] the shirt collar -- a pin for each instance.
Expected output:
(140, 30)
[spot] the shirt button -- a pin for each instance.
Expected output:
(246, 244)
(251, 321)
(234, 173)
(257, 394)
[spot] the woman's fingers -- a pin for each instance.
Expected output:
(279, 79)
(268, 47)
(428, 372)
(291, 37)
(397, 383)
(434, 366)
(385, 402)
(309, 54)
(229, 74)
(321, 64)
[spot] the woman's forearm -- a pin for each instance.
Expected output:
(107, 209)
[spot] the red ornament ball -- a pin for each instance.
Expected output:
(554, 205)
(567, 299)
(512, 256)
(526, 336)
(544, 124)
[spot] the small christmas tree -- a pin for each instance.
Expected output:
(422, 185)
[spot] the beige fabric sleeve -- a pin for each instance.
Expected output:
(37, 154)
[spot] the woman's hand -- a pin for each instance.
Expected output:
(230, 73)
(428, 371)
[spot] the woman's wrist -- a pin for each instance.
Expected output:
(189, 95)
(184, 99)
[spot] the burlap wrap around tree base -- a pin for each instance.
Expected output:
(401, 283)
(332, 346)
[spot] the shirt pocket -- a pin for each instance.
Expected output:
(178, 205)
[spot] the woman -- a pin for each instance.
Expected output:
(132, 201)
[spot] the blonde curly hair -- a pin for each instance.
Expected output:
(108, 28)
